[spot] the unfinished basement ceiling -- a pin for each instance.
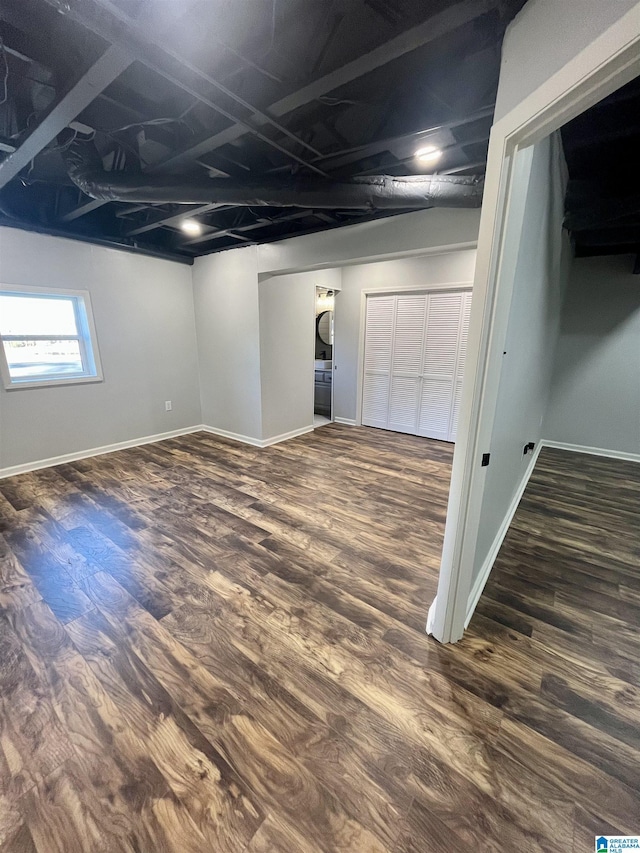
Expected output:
(249, 91)
(603, 196)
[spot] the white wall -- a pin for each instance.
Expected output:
(143, 310)
(406, 234)
(532, 333)
(255, 344)
(595, 391)
(397, 247)
(287, 347)
(450, 267)
(226, 302)
(544, 36)
(225, 341)
(252, 313)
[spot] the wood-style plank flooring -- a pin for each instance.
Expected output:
(210, 647)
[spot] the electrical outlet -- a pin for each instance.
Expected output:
(167, 405)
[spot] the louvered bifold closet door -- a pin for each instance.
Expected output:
(462, 357)
(378, 349)
(440, 364)
(406, 366)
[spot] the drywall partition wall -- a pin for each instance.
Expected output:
(255, 346)
(287, 339)
(544, 37)
(455, 267)
(595, 389)
(143, 310)
(564, 83)
(225, 289)
(436, 229)
(532, 334)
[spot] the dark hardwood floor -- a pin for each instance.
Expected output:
(210, 647)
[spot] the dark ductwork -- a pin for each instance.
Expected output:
(375, 192)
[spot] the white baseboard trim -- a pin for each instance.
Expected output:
(257, 442)
(345, 421)
(12, 470)
(267, 442)
(593, 451)
(431, 616)
(485, 571)
(234, 436)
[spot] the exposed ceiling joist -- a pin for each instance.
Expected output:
(77, 97)
(149, 124)
(130, 210)
(81, 210)
(143, 38)
(64, 109)
(109, 22)
(174, 218)
(343, 158)
(216, 233)
(446, 150)
(98, 240)
(226, 232)
(476, 166)
(430, 30)
(434, 28)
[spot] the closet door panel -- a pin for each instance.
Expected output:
(379, 333)
(441, 340)
(375, 401)
(404, 404)
(464, 333)
(408, 344)
(435, 408)
(377, 360)
(439, 364)
(408, 339)
(415, 349)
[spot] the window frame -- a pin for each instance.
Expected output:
(86, 337)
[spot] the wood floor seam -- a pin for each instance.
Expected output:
(206, 646)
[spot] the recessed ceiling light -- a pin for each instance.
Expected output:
(429, 154)
(190, 226)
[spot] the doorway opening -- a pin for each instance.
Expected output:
(323, 357)
(552, 358)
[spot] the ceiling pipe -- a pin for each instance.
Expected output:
(375, 192)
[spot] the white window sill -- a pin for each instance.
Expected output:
(53, 382)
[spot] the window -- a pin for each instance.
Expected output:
(47, 338)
